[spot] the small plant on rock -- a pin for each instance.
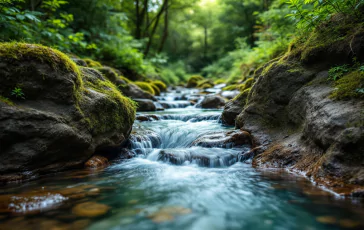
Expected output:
(335, 73)
(17, 92)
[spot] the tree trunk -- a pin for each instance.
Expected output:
(165, 33)
(147, 49)
(137, 29)
(206, 39)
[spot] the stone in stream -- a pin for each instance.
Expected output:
(212, 102)
(97, 162)
(147, 117)
(224, 139)
(233, 108)
(66, 112)
(31, 202)
(145, 105)
(90, 209)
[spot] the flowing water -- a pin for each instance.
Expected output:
(171, 185)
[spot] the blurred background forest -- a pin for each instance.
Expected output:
(223, 40)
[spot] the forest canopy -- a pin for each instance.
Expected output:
(170, 39)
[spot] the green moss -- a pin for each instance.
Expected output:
(145, 86)
(193, 81)
(162, 87)
(6, 100)
(109, 73)
(205, 84)
(116, 113)
(242, 97)
(249, 83)
(91, 63)
(349, 86)
(56, 59)
(219, 81)
(231, 87)
(156, 89)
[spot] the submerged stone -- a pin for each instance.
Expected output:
(90, 209)
(97, 162)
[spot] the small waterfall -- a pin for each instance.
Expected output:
(175, 104)
(168, 136)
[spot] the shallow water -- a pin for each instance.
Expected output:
(148, 192)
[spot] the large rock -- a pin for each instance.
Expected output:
(145, 105)
(67, 113)
(224, 139)
(292, 115)
(233, 108)
(212, 102)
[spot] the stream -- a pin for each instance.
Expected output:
(171, 185)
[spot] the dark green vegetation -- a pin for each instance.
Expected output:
(171, 40)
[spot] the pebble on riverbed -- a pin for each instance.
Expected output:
(90, 209)
(168, 213)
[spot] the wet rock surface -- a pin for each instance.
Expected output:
(227, 139)
(212, 102)
(145, 105)
(233, 108)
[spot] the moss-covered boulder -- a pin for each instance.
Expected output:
(146, 86)
(59, 114)
(193, 81)
(162, 87)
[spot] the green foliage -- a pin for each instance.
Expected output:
(6, 100)
(309, 14)
(273, 31)
(17, 92)
(145, 86)
(337, 72)
(349, 86)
